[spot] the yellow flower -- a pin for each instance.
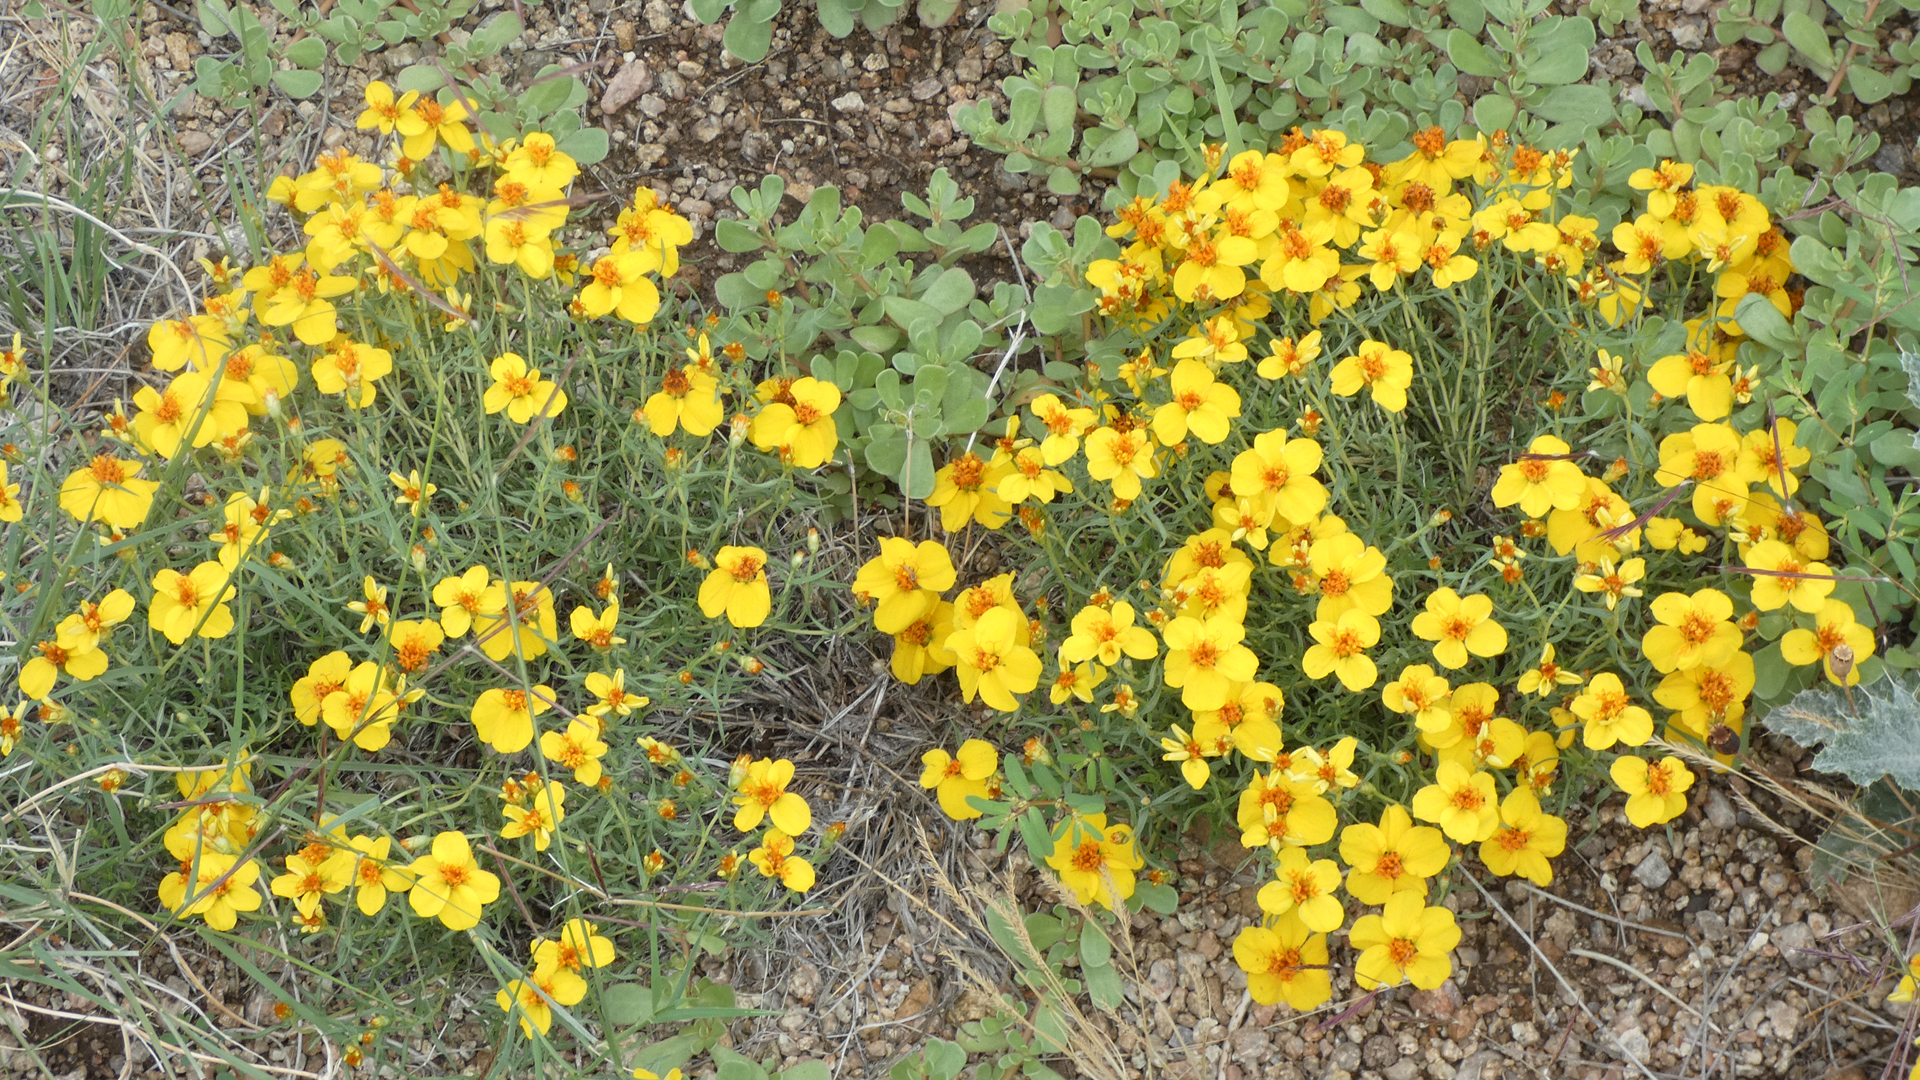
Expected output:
(468, 597)
(1064, 427)
(546, 808)
(503, 718)
(1836, 642)
(1200, 405)
(611, 690)
(1525, 839)
(1204, 657)
(413, 493)
(1711, 457)
(991, 660)
(364, 706)
(537, 162)
(1700, 377)
(956, 777)
(197, 341)
(966, 489)
(1775, 585)
(1340, 649)
(1290, 357)
(449, 884)
(1350, 574)
(414, 643)
(1458, 626)
(1305, 887)
(221, 887)
(306, 882)
(803, 432)
(372, 876)
(578, 748)
(373, 608)
(597, 630)
(1544, 678)
(107, 489)
(1655, 789)
(738, 587)
(1463, 804)
(1211, 270)
(525, 998)
(1608, 375)
(1191, 756)
(617, 282)
(919, 648)
(352, 369)
(1279, 809)
(1541, 480)
(382, 110)
(1693, 630)
(763, 794)
(10, 509)
(1666, 534)
(1386, 371)
(324, 676)
(774, 858)
(1285, 963)
(1122, 459)
(1095, 860)
(1280, 470)
(191, 403)
(427, 123)
(1391, 857)
(581, 946)
(1421, 694)
(1076, 682)
(1610, 715)
(1613, 584)
(1448, 266)
(1106, 634)
(195, 603)
(521, 391)
(688, 398)
(1407, 942)
(905, 580)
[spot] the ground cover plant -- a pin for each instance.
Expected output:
(1377, 504)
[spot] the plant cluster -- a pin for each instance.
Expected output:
(1205, 466)
(749, 30)
(328, 548)
(1856, 46)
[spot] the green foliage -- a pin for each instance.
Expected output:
(253, 69)
(904, 336)
(749, 31)
(1152, 83)
(1852, 45)
(936, 1059)
(1865, 733)
(551, 102)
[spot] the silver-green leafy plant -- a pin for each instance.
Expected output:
(749, 30)
(1853, 45)
(253, 68)
(882, 312)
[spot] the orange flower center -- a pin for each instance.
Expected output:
(1467, 798)
(968, 472)
(1658, 782)
(1088, 858)
(1697, 628)
(1389, 866)
(745, 569)
(107, 470)
(514, 700)
(455, 874)
(1402, 952)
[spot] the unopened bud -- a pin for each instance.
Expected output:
(1840, 662)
